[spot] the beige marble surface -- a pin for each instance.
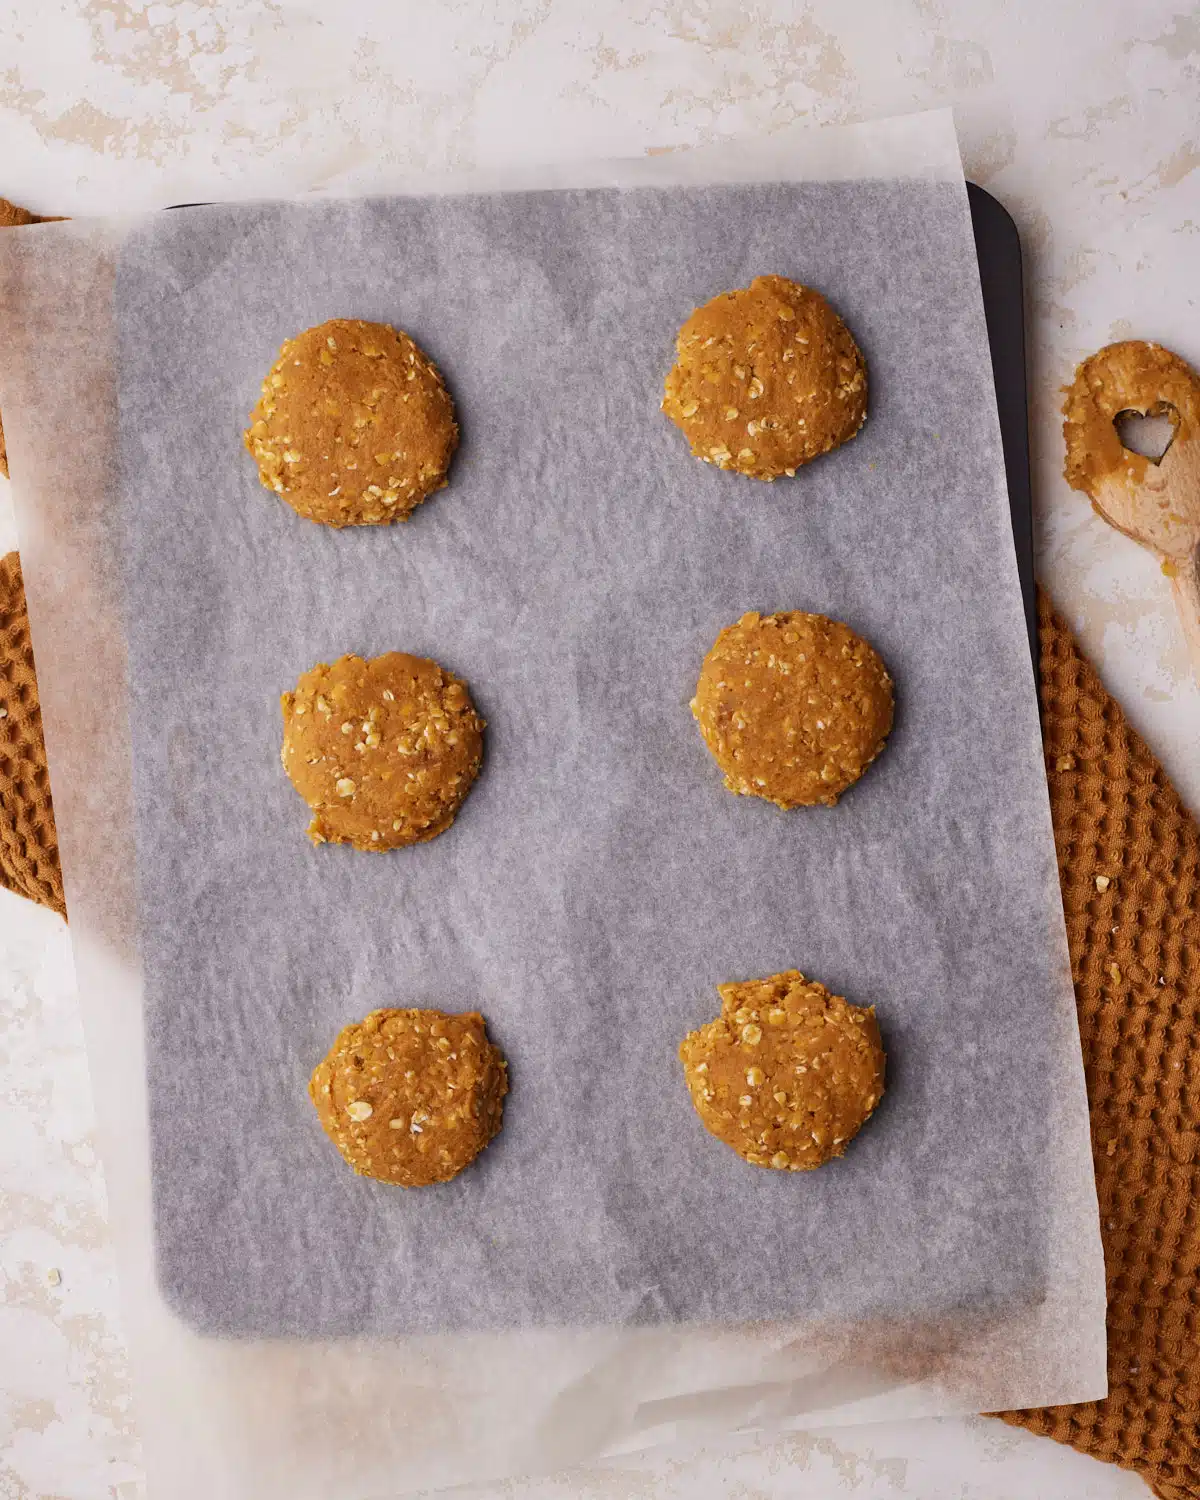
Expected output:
(1083, 118)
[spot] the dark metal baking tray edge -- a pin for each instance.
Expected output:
(998, 247)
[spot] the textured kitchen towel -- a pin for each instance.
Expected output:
(1129, 856)
(28, 845)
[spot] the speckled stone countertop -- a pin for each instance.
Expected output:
(1081, 118)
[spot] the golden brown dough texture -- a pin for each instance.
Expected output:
(411, 1097)
(383, 751)
(354, 426)
(787, 1074)
(766, 378)
(794, 707)
(1129, 376)
(13, 217)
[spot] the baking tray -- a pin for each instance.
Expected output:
(222, 1414)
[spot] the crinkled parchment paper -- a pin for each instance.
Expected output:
(607, 1276)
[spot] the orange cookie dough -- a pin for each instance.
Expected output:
(354, 426)
(766, 378)
(794, 707)
(411, 1097)
(787, 1074)
(383, 751)
(12, 216)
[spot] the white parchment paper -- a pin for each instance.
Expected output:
(600, 1280)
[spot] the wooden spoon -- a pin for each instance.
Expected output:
(1154, 501)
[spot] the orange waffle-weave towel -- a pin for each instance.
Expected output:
(28, 843)
(1129, 860)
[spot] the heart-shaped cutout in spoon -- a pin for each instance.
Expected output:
(1121, 399)
(1149, 433)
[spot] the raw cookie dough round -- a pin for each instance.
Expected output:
(411, 1096)
(794, 707)
(383, 751)
(766, 378)
(787, 1074)
(354, 426)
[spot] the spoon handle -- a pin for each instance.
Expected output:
(1185, 585)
